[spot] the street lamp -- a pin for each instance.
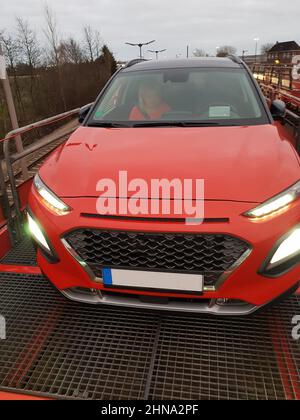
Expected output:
(256, 45)
(140, 45)
(156, 52)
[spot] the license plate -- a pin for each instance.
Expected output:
(152, 280)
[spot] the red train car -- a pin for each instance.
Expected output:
(280, 81)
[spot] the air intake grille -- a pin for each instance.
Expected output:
(210, 254)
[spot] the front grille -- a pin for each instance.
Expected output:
(209, 254)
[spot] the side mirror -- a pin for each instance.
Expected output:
(83, 113)
(278, 109)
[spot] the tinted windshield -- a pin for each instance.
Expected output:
(204, 95)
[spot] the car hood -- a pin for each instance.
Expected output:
(249, 164)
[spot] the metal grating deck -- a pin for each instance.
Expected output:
(222, 358)
(63, 349)
(23, 253)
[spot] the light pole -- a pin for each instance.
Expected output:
(140, 45)
(256, 45)
(12, 110)
(156, 52)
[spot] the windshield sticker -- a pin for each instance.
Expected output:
(219, 111)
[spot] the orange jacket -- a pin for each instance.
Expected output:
(137, 115)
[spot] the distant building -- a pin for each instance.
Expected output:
(283, 52)
(252, 59)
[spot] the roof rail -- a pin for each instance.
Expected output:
(235, 59)
(135, 61)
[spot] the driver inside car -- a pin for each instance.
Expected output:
(150, 103)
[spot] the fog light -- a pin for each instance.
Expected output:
(288, 248)
(37, 233)
(221, 301)
(231, 302)
(285, 255)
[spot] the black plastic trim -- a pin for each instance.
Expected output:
(152, 219)
(285, 295)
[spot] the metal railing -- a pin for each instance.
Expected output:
(294, 121)
(13, 214)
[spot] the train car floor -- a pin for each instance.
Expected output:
(56, 348)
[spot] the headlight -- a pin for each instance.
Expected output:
(276, 204)
(49, 199)
(284, 256)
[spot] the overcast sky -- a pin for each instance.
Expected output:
(173, 24)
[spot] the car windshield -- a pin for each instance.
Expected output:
(181, 96)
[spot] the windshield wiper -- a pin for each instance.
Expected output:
(177, 124)
(208, 124)
(159, 124)
(108, 124)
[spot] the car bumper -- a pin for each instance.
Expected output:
(244, 284)
(207, 306)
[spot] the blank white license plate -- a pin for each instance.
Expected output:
(153, 280)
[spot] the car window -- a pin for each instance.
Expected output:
(222, 95)
(112, 100)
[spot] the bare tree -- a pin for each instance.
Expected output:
(266, 47)
(30, 52)
(52, 36)
(28, 44)
(226, 50)
(199, 52)
(70, 52)
(11, 48)
(88, 36)
(12, 55)
(93, 43)
(51, 32)
(98, 43)
(71, 76)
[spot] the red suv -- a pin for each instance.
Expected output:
(200, 119)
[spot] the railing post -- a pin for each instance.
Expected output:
(3, 193)
(4, 204)
(17, 227)
(13, 116)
